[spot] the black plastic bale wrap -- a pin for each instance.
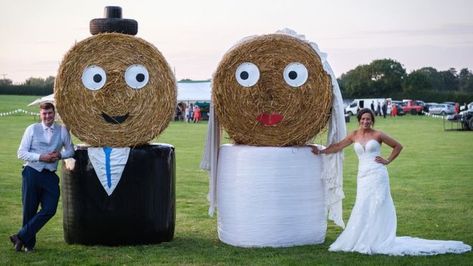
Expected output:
(141, 209)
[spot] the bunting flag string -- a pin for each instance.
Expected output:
(18, 112)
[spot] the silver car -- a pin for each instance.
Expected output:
(441, 109)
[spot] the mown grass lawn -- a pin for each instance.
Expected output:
(431, 182)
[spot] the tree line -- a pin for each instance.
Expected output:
(31, 86)
(381, 78)
(388, 78)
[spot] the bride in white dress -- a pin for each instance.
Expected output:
(371, 228)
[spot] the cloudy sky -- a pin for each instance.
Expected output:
(194, 35)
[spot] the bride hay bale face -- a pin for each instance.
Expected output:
(115, 90)
(272, 90)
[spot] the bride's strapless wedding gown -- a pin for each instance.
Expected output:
(371, 228)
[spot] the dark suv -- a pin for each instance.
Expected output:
(467, 119)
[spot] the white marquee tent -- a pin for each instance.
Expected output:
(192, 91)
(45, 99)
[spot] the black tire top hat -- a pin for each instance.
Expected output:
(113, 22)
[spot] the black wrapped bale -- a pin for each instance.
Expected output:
(141, 209)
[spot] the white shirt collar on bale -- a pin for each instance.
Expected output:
(109, 164)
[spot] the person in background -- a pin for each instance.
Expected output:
(384, 109)
(189, 113)
(197, 114)
(42, 146)
(464, 107)
(394, 110)
(178, 114)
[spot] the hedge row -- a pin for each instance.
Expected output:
(25, 90)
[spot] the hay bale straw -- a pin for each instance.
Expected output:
(147, 110)
(304, 109)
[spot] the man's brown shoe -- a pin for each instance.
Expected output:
(17, 243)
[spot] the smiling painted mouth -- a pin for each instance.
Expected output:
(115, 119)
(269, 119)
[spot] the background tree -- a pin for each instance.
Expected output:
(387, 76)
(356, 82)
(417, 80)
(31, 86)
(40, 82)
(465, 81)
(380, 78)
(49, 81)
(448, 80)
(429, 79)
(6, 82)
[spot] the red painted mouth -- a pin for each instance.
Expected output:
(269, 119)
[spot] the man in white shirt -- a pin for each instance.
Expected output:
(41, 148)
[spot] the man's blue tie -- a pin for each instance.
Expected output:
(108, 151)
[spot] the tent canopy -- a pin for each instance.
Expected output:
(186, 91)
(45, 99)
(193, 91)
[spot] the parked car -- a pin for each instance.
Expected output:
(441, 109)
(466, 119)
(451, 103)
(427, 106)
(358, 104)
(400, 111)
(413, 107)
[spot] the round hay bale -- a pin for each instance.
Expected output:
(272, 90)
(115, 90)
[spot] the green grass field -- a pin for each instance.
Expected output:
(431, 182)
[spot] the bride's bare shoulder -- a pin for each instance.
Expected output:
(352, 135)
(377, 132)
(381, 136)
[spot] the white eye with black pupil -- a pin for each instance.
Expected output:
(136, 76)
(94, 77)
(247, 74)
(295, 74)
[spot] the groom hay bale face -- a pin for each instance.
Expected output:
(115, 90)
(272, 90)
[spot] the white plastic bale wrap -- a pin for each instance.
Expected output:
(270, 196)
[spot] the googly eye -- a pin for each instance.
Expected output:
(136, 76)
(247, 74)
(295, 74)
(94, 77)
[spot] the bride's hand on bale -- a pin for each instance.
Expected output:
(380, 159)
(315, 150)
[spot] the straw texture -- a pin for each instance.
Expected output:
(305, 109)
(149, 109)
